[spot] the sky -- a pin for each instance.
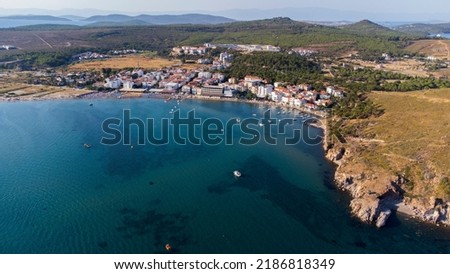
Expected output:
(410, 6)
(255, 9)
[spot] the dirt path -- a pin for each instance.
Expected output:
(445, 45)
(42, 39)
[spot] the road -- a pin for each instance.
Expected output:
(42, 39)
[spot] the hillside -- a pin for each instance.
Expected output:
(401, 155)
(369, 28)
(436, 48)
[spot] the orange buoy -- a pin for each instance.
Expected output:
(168, 247)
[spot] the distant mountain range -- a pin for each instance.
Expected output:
(35, 17)
(296, 13)
(113, 20)
(161, 19)
(364, 27)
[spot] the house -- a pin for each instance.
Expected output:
(324, 103)
(306, 87)
(311, 106)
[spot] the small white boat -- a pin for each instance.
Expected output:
(261, 124)
(237, 173)
(238, 120)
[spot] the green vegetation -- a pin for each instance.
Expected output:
(47, 58)
(276, 67)
(367, 79)
(356, 106)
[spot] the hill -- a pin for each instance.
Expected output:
(369, 28)
(161, 19)
(118, 24)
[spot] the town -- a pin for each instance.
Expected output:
(209, 81)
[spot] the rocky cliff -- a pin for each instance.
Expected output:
(376, 192)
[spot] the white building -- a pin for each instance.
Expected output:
(252, 81)
(264, 91)
(285, 100)
(276, 97)
(228, 92)
(186, 89)
(127, 85)
(172, 86)
(297, 102)
(330, 90)
(113, 83)
(205, 75)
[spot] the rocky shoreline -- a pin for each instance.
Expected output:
(377, 196)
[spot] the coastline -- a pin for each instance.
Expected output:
(375, 197)
(364, 205)
(320, 116)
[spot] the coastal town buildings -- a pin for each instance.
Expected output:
(207, 81)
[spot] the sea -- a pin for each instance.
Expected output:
(58, 196)
(440, 35)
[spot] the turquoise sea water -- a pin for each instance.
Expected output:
(58, 197)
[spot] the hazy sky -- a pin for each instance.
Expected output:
(393, 6)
